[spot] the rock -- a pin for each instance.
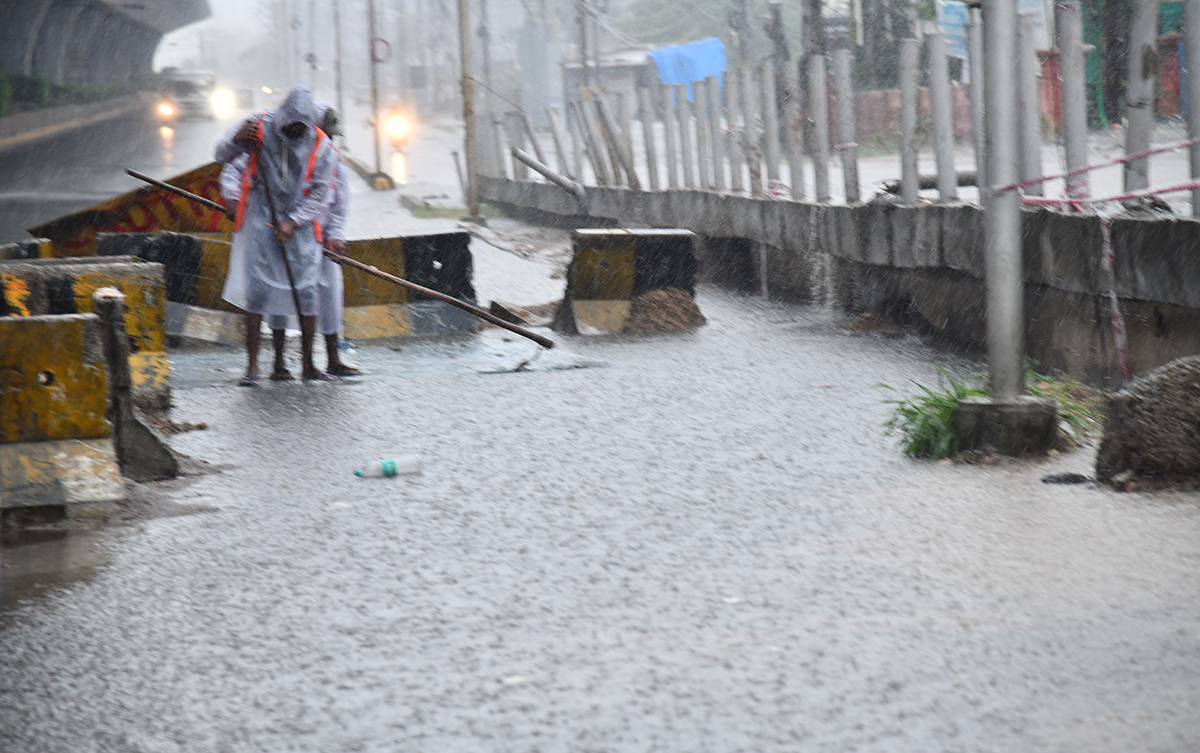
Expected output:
(1153, 428)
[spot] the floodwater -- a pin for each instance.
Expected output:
(701, 542)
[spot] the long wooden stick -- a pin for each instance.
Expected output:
(545, 342)
(180, 192)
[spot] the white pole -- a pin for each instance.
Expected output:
(1074, 99)
(909, 180)
(1029, 103)
(770, 110)
(1002, 210)
(1191, 20)
(943, 126)
(1139, 91)
(818, 102)
(847, 131)
(975, 50)
(716, 132)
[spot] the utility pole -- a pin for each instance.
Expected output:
(378, 177)
(337, 51)
(585, 78)
(464, 41)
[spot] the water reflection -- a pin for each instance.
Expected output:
(168, 140)
(34, 560)
(399, 167)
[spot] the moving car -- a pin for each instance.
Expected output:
(187, 94)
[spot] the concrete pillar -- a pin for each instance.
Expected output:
(733, 110)
(665, 97)
(717, 132)
(770, 112)
(703, 134)
(1191, 20)
(843, 88)
(818, 103)
(646, 114)
(1069, 24)
(793, 129)
(909, 179)
(19, 34)
(1139, 91)
(975, 50)
(943, 126)
(1002, 211)
(683, 110)
(750, 129)
(1029, 103)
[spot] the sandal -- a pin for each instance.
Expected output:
(342, 370)
(321, 376)
(248, 381)
(282, 375)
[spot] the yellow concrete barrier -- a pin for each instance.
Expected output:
(63, 286)
(54, 440)
(611, 267)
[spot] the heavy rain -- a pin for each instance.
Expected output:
(599, 375)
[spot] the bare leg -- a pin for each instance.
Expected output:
(277, 338)
(308, 328)
(333, 360)
(253, 330)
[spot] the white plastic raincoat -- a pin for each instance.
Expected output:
(257, 280)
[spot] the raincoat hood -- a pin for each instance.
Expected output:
(297, 108)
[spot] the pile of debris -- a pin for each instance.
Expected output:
(663, 310)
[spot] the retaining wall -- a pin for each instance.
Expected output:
(926, 260)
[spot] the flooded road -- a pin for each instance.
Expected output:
(64, 174)
(700, 542)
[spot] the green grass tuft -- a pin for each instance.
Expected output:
(926, 421)
(430, 212)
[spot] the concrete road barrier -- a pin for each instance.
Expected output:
(197, 264)
(55, 448)
(38, 287)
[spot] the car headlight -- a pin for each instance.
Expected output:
(398, 127)
(165, 109)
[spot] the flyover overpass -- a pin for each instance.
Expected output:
(88, 41)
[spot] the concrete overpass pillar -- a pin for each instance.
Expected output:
(18, 33)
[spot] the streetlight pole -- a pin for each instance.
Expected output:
(464, 41)
(374, 81)
(337, 51)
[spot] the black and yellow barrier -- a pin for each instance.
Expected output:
(55, 448)
(196, 265)
(39, 287)
(612, 267)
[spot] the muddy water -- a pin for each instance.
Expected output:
(704, 544)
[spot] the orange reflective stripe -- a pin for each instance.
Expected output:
(317, 231)
(312, 157)
(247, 176)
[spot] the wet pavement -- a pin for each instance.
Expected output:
(702, 543)
(699, 541)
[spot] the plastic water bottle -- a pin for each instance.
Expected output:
(400, 466)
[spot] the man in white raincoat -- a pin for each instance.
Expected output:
(331, 288)
(283, 150)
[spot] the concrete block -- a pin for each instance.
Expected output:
(876, 233)
(78, 474)
(53, 378)
(963, 240)
(746, 218)
(772, 222)
(1062, 250)
(606, 202)
(1153, 428)
(916, 236)
(1158, 259)
(708, 213)
(1022, 426)
(796, 226)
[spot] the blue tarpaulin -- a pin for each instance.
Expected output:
(685, 63)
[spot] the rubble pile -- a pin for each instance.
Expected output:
(1153, 428)
(663, 310)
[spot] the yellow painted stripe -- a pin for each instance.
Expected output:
(70, 125)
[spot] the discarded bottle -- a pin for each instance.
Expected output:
(402, 465)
